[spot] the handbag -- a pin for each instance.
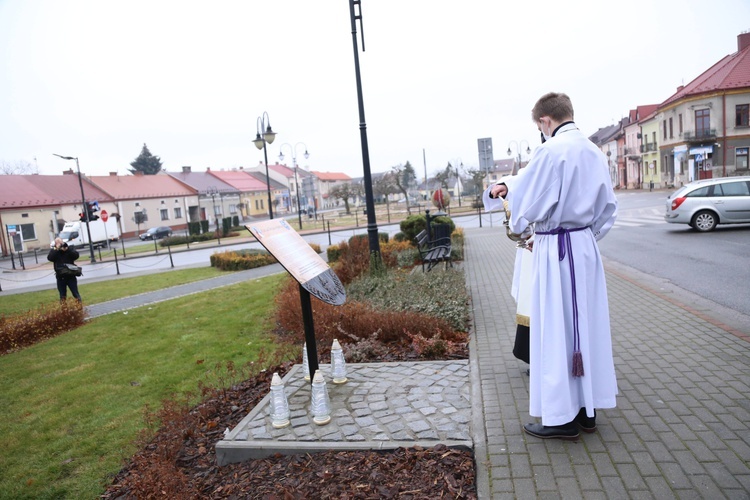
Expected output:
(71, 270)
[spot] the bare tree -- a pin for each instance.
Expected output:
(385, 185)
(344, 192)
(404, 177)
(19, 167)
(444, 175)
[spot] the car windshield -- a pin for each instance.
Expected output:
(679, 192)
(67, 235)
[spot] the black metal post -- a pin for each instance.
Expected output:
(169, 250)
(372, 227)
(307, 320)
(100, 253)
(329, 233)
(12, 260)
(479, 213)
(84, 207)
(356, 217)
(36, 257)
(20, 261)
(156, 250)
(124, 256)
(117, 264)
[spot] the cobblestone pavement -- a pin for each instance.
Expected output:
(681, 428)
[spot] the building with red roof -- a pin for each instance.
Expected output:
(704, 127)
(253, 192)
(33, 208)
(145, 201)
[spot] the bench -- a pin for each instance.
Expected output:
(435, 251)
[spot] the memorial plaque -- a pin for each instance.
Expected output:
(301, 261)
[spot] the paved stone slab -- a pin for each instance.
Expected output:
(381, 406)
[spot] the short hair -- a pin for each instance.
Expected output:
(555, 105)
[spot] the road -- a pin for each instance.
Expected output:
(711, 265)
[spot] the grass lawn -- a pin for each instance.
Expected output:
(102, 291)
(70, 407)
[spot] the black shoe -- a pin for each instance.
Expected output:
(569, 431)
(587, 424)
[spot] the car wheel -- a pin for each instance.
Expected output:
(704, 221)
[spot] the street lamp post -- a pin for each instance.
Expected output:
(458, 163)
(519, 145)
(263, 126)
(294, 163)
(83, 203)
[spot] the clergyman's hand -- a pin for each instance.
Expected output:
(499, 191)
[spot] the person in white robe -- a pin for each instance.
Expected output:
(567, 194)
(521, 283)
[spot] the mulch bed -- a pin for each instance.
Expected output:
(180, 461)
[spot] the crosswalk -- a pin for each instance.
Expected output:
(640, 217)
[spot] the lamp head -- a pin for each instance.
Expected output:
(281, 156)
(307, 155)
(509, 152)
(528, 150)
(269, 135)
(258, 141)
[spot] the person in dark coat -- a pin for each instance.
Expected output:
(60, 255)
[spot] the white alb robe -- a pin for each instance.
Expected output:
(567, 184)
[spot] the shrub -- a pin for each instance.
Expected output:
(226, 224)
(204, 226)
(334, 253)
(383, 237)
(440, 294)
(412, 225)
(354, 321)
(443, 219)
(194, 228)
(242, 259)
(235, 221)
(44, 322)
(400, 237)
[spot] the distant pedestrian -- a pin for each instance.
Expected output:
(567, 195)
(60, 255)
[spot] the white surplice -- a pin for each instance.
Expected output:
(567, 184)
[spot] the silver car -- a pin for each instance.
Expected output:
(705, 203)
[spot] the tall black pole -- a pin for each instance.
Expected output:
(372, 227)
(268, 180)
(84, 206)
(86, 211)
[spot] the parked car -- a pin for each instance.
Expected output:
(156, 232)
(705, 203)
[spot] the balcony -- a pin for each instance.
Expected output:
(648, 147)
(700, 135)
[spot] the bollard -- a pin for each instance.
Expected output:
(187, 238)
(117, 264)
(356, 219)
(99, 248)
(156, 250)
(329, 233)
(20, 261)
(123, 249)
(12, 261)
(36, 257)
(169, 250)
(479, 213)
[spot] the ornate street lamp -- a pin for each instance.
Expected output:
(458, 164)
(84, 208)
(517, 166)
(263, 126)
(294, 163)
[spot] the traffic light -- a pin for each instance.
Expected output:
(82, 217)
(92, 207)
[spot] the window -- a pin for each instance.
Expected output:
(743, 115)
(699, 193)
(137, 204)
(177, 213)
(653, 136)
(256, 205)
(671, 131)
(232, 208)
(741, 155)
(702, 122)
(679, 120)
(664, 126)
(217, 210)
(663, 166)
(164, 214)
(28, 232)
(732, 189)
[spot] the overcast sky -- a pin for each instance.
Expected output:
(98, 79)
